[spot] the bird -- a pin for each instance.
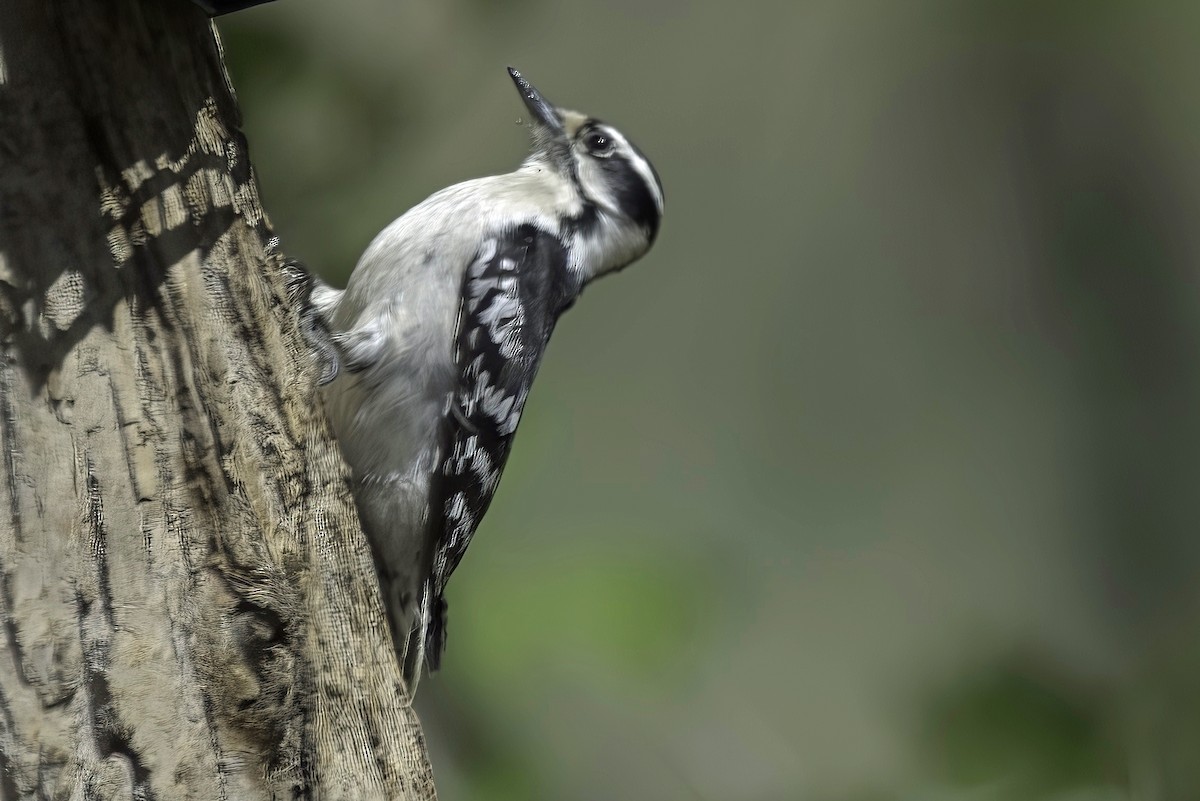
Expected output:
(439, 333)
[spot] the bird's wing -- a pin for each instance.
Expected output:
(362, 346)
(513, 292)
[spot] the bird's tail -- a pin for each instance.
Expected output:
(426, 639)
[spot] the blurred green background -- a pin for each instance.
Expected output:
(879, 478)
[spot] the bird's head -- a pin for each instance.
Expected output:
(620, 189)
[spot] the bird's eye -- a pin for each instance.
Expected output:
(598, 143)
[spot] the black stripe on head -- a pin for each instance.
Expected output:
(633, 196)
(636, 192)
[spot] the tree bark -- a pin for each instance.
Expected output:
(188, 606)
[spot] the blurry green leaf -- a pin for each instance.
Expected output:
(1022, 726)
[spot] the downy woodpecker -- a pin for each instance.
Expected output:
(440, 332)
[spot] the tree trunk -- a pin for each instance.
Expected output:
(188, 607)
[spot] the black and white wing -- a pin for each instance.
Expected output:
(512, 295)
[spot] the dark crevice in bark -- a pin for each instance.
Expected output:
(8, 441)
(96, 542)
(111, 736)
(8, 784)
(11, 631)
(8, 428)
(211, 718)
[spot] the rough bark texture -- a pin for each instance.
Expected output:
(188, 608)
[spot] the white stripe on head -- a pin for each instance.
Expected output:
(644, 169)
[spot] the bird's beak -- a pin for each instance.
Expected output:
(543, 113)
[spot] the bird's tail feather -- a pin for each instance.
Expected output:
(412, 656)
(426, 639)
